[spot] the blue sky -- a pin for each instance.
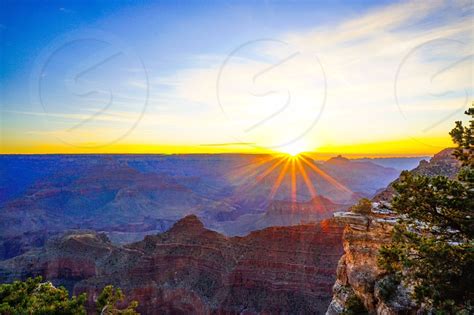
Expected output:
(160, 88)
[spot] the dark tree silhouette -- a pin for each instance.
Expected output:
(433, 248)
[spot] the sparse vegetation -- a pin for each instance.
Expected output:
(40, 298)
(433, 246)
(354, 306)
(110, 299)
(364, 206)
(35, 297)
(388, 287)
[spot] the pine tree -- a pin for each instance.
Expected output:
(34, 297)
(109, 300)
(363, 206)
(433, 245)
(42, 298)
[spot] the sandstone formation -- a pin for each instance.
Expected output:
(192, 270)
(358, 273)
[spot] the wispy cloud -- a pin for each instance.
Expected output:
(394, 72)
(395, 53)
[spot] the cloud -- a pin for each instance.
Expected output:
(416, 53)
(392, 73)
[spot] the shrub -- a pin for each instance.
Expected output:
(34, 297)
(354, 306)
(109, 300)
(364, 206)
(41, 298)
(388, 287)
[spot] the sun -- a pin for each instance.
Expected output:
(294, 148)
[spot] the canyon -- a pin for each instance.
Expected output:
(201, 240)
(130, 196)
(190, 269)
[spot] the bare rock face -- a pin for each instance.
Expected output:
(192, 270)
(357, 269)
(442, 163)
(358, 273)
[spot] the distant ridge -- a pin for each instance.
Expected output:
(442, 163)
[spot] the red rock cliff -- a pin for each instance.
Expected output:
(190, 269)
(357, 271)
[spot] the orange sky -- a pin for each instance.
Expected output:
(384, 80)
(406, 147)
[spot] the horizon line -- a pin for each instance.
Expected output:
(310, 153)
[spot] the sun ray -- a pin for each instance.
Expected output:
(326, 176)
(258, 174)
(269, 170)
(311, 188)
(245, 174)
(279, 179)
(304, 175)
(247, 168)
(293, 181)
(256, 169)
(294, 166)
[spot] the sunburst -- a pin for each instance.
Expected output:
(294, 149)
(290, 165)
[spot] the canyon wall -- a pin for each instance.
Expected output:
(192, 270)
(358, 275)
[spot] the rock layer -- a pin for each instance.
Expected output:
(192, 270)
(357, 272)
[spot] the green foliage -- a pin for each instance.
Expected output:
(444, 206)
(364, 206)
(354, 306)
(42, 298)
(463, 136)
(388, 287)
(34, 297)
(433, 246)
(109, 300)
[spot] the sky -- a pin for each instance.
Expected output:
(365, 78)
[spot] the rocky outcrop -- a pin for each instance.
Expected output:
(17, 245)
(442, 163)
(358, 274)
(192, 270)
